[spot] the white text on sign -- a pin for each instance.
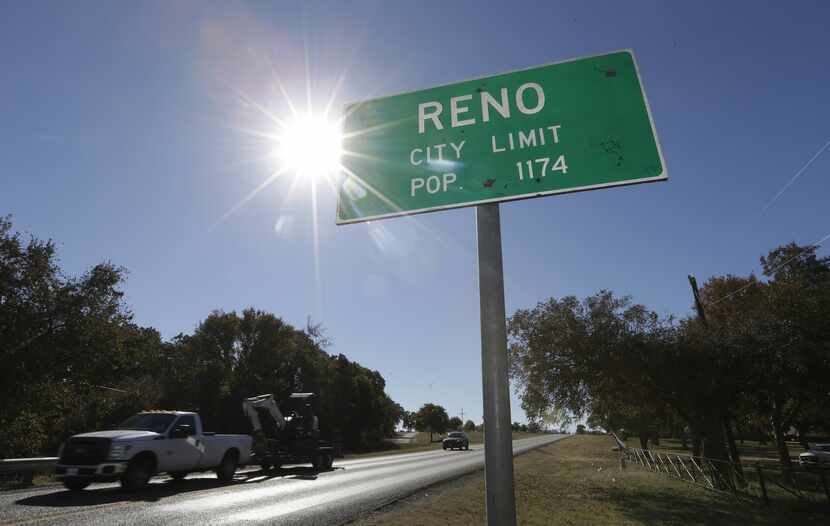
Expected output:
(528, 99)
(432, 110)
(432, 184)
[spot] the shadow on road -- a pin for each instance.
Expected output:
(157, 491)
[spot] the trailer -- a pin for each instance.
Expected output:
(288, 438)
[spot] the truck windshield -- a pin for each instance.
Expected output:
(156, 422)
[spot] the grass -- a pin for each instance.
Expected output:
(766, 456)
(421, 443)
(578, 481)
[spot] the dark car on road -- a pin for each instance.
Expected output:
(456, 440)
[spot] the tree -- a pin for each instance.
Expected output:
(797, 387)
(553, 417)
(432, 418)
(408, 420)
(455, 423)
(760, 358)
(68, 347)
(572, 358)
(779, 330)
(73, 360)
(469, 425)
(580, 429)
(607, 356)
(534, 427)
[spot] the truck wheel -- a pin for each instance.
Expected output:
(318, 462)
(329, 462)
(178, 475)
(75, 484)
(227, 468)
(138, 474)
(467, 447)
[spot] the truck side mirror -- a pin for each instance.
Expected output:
(182, 431)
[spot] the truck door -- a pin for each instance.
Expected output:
(183, 448)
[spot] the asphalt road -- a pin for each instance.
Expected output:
(289, 496)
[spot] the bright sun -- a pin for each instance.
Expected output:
(310, 146)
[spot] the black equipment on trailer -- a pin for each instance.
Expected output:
(292, 438)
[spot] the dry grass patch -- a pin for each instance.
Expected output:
(578, 481)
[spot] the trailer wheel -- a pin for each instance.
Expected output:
(73, 484)
(227, 468)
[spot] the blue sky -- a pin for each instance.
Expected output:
(126, 136)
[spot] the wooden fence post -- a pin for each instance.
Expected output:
(763, 486)
(791, 474)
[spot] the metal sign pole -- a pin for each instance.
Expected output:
(498, 440)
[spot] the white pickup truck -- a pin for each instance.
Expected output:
(818, 455)
(146, 444)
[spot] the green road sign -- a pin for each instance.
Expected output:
(566, 127)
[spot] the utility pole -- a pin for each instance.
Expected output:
(701, 314)
(727, 427)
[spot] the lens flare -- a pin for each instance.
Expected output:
(310, 146)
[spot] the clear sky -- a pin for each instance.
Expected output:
(129, 134)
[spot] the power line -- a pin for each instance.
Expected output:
(769, 204)
(796, 176)
(772, 271)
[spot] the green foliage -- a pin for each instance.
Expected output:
(74, 361)
(534, 427)
(230, 357)
(432, 418)
(469, 425)
(572, 358)
(761, 358)
(779, 332)
(407, 420)
(455, 424)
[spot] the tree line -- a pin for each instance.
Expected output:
(433, 418)
(754, 362)
(74, 360)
